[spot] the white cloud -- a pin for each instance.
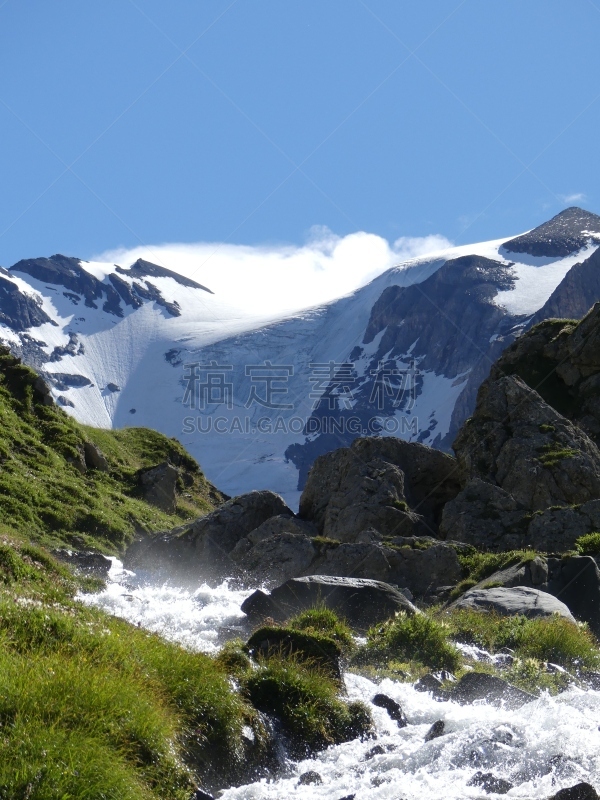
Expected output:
(578, 197)
(284, 277)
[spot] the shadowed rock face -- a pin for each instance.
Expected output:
(396, 487)
(19, 311)
(143, 269)
(564, 234)
(518, 442)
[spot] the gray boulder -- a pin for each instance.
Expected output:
(361, 602)
(396, 487)
(574, 580)
(480, 686)
(94, 458)
(511, 601)
(159, 486)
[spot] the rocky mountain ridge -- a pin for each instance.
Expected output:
(403, 356)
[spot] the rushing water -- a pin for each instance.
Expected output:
(548, 744)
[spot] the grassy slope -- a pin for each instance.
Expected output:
(45, 498)
(91, 706)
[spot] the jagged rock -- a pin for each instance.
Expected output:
(437, 729)
(202, 548)
(274, 559)
(113, 387)
(490, 783)
(581, 791)
(361, 602)
(87, 562)
(480, 686)
(575, 580)
(559, 358)
(422, 569)
(393, 708)
(94, 458)
(518, 442)
(396, 487)
(159, 486)
(564, 234)
(511, 601)
(64, 401)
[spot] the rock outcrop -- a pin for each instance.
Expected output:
(397, 488)
(201, 550)
(531, 477)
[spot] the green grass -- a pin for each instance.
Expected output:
(552, 454)
(478, 566)
(417, 638)
(589, 544)
(305, 699)
(324, 622)
(44, 496)
(93, 707)
(553, 639)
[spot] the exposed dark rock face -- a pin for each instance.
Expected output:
(64, 271)
(437, 729)
(65, 380)
(361, 602)
(395, 487)
(513, 601)
(202, 549)
(393, 708)
(94, 458)
(564, 234)
(86, 562)
(19, 311)
(490, 783)
(143, 269)
(581, 791)
(575, 294)
(422, 569)
(159, 486)
(59, 270)
(518, 442)
(561, 361)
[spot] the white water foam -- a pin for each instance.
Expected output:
(549, 744)
(199, 619)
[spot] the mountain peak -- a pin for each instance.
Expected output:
(561, 236)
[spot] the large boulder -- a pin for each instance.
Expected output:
(202, 549)
(361, 602)
(159, 486)
(512, 601)
(274, 559)
(396, 487)
(518, 442)
(575, 580)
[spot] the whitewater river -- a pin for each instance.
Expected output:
(551, 743)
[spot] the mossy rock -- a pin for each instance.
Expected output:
(312, 648)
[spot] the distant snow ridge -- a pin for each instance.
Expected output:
(257, 391)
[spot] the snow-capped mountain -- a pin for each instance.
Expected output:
(256, 395)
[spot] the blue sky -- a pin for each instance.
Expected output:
(127, 123)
